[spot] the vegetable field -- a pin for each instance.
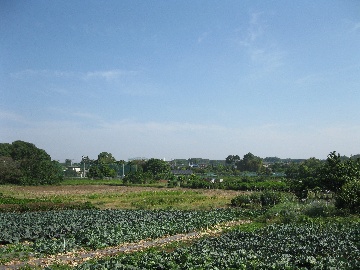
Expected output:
(53, 232)
(148, 228)
(296, 246)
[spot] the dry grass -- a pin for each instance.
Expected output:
(123, 197)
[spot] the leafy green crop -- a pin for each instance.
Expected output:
(297, 246)
(58, 231)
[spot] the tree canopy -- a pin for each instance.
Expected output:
(156, 167)
(24, 163)
(250, 163)
(232, 159)
(329, 175)
(104, 166)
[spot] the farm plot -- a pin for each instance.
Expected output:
(54, 232)
(296, 246)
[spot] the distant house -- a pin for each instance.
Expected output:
(73, 171)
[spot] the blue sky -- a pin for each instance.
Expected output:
(180, 79)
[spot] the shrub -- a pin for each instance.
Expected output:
(287, 212)
(269, 198)
(262, 199)
(319, 208)
(349, 197)
(246, 200)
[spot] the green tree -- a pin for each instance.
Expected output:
(34, 164)
(337, 171)
(5, 149)
(104, 166)
(349, 196)
(106, 158)
(232, 159)
(304, 176)
(68, 162)
(9, 170)
(331, 175)
(250, 163)
(157, 167)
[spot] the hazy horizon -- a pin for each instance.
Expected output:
(181, 79)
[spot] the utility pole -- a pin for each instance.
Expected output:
(83, 159)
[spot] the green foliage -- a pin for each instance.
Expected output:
(256, 184)
(100, 171)
(259, 199)
(319, 208)
(156, 167)
(26, 164)
(106, 158)
(9, 170)
(11, 204)
(270, 198)
(138, 178)
(284, 213)
(349, 196)
(294, 246)
(97, 228)
(104, 167)
(5, 149)
(336, 172)
(330, 175)
(232, 159)
(250, 163)
(246, 183)
(304, 176)
(251, 200)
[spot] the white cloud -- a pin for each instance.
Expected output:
(66, 83)
(355, 27)
(256, 27)
(265, 57)
(30, 73)
(103, 74)
(202, 37)
(255, 30)
(108, 74)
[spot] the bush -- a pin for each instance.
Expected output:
(287, 212)
(242, 200)
(270, 198)
(349, 197)
(319, 208)
(260, 199)
(138, 178)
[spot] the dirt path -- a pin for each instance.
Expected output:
(78, 257)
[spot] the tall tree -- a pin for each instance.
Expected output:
(156, 167)
(104, 166)
(9, 170)
(250, 163)
(34, 164)
(304, 176)
(331, 175)
(232, 159)
(337, 171)
(106, 158)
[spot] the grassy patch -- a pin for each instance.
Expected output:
(159, 199)
(123, 197)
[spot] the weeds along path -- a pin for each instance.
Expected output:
(78, 257)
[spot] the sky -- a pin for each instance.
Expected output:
(181, 79)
